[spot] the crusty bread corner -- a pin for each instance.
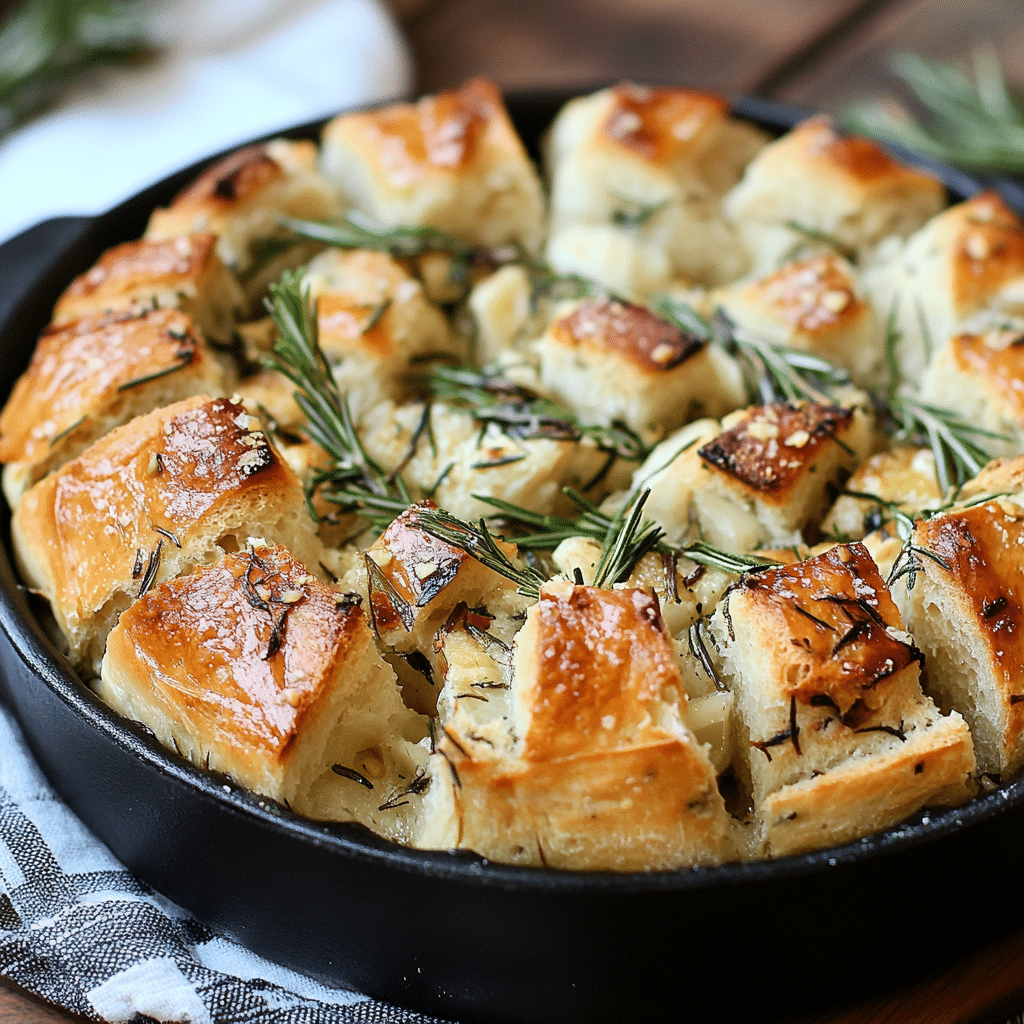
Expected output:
(155, 497)
(827, 687)
(251, 667)
(966, 612)
(452, 161)
(846, 187)
(91, 375)
(604, 774)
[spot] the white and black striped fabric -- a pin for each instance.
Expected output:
(77, 929)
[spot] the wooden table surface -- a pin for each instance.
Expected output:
(818, 53)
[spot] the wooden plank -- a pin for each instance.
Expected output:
(18, 1007)
(857, 66)
(724, 47)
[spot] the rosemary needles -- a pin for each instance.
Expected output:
(354, 481)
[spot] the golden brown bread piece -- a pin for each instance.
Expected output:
(153, 498)
(836, 737)
(451, 161)
(252, 667)
(602, 773)
(844, 187)
(178, 273)
(240, 198)
(91, 375)
(965, 611)
(610, 360)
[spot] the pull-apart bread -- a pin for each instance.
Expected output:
(840, 739)
(252, 667)
(637, 179)
(452, 161)
(240, 200)
(599, 769)
(91, 375)
(965, 611)
(962, 271)
(183, 273)
(602, 529)
(155, 497)
(816, 182)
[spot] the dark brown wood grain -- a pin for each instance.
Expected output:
(725, 46)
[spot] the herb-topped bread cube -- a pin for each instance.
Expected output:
(965, 610)
(155, 497)
(91, 375)
(602, 773)
(838, 739)
(452, 161)
(252, 667)
(637, 179)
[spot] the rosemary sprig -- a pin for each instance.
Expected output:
(354, 481)
(773, 373)
(971, 122)
(544, 533)
(958, 455)
(477, 541)
(356, 231)
(521, 413)
(908, 561)
(47, 44)
(633, 214)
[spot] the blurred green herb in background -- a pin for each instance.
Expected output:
(46, 44)
(976, 123)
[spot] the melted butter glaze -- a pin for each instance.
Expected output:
(983, 548)
(243, 649)
(650, 343)
(659, 124)
(775, 444)
(133, 265)
(604, 660)
(440, 132)
(841, 632)
(813, 296)
(987, 241)
(78, 370)
(169, 469)
(234, 179)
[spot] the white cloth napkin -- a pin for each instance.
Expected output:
(77, 929)
(229, 70)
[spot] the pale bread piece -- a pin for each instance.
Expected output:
(903, 477)
(91, 375)
(964, 270)
(814, 305)
(637, 176)
(375, 325)
(967, 616)
(252, 667)
(981, 376)
(757, 479)
(240, 198)
(843, 187)
(827, 687)
(599, 771)
(452, 161)
(464, 460)
(502, 305)
(183, 273)
(155, 497)
(611, 361)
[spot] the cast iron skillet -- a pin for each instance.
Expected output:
(450, 933)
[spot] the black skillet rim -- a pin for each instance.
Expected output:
(352, 843)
